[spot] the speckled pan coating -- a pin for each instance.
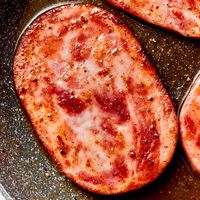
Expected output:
(26, 170)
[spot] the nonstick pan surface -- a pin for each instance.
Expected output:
(26, 170)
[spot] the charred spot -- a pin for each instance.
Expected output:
(83, 19)
(23, 90)
(72, 93)
(104, 72)
(63, 152)
(41, 119)
(88, 163)
(95, 132)
(35, 80)
(62, 146)
(150, 98)
(60, 140)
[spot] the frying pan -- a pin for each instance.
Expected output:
(26, 170)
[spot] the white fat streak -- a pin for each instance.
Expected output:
(188, 14)
(39, 98)
(81, 126)
(121, 67)
(66, 54)
(130, 136)
(82, 123)
(92, 68)
(49, 32)
(57, 68)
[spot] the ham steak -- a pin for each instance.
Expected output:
(190, 125)
(94, 99)
(182, 16)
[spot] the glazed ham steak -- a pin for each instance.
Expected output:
(182, 16)
(95, 101)
(190, 125)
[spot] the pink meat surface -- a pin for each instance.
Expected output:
(182, 16)
(94, 99)
(190, 125)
